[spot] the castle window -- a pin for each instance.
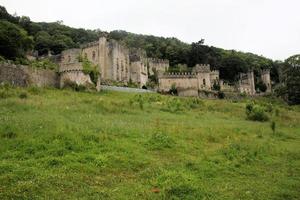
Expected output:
(94, 55)
(85, 55)
(204, 82)
(69, 58)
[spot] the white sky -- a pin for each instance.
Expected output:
(265, 27)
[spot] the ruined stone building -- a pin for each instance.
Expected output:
(246, 83)
(115, 62)
(201, 78)
(266, 79)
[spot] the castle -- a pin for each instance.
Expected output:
(114, 61)
(118, 63)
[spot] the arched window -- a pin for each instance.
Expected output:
(94, 55)
(204, 83)
(69, 58)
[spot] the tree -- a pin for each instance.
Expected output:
(43, 42)
(14, 41)
(292, 74)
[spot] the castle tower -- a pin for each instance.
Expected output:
(250, 76)
(103, 57)
(266, 79)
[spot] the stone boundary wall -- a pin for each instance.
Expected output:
(20, 75)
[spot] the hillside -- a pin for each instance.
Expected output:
(61, 144)
(55, 37)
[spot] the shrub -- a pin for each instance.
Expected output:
(23, 95)
(193, 103)
(221, 95)
(173, 90)
(160, 141)
(216, 86)
(173, 105)
(260, 86)
(256, 112)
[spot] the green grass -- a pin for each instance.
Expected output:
(60, 144)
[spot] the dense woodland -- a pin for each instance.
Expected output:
(19, 35)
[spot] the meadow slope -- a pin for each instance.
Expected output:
(60, 144)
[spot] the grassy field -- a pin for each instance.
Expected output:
(60, 144)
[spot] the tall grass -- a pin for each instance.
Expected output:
(60, 144)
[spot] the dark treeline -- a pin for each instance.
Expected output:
(19, 35)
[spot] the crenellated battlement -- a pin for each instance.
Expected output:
(179, 75)
(158, 61)
(73, 66)
(215, 72)
(202, 68)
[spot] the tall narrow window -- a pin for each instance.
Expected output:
(204, 83)
(69, 58)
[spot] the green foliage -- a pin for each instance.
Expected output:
(261, 86)
(173, 89)
(216, 86)
(14, 40)
(256, 112)
(43, 64)
(221, 95)
(159, 141)
(90, 69)
(173, 105)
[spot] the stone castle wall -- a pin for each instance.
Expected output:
(20, 75)
(246, 83)
(201, 78)
(182, 80)
(266, 79)
(158, 65)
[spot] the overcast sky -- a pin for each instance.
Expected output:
(265, 27)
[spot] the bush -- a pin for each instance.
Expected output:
(261, 87)
(173, 90)
(221, 95)
(216, 86)
(160, 141)
(23, 95)
(173, 105)
(256, 113)
(194, 103)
